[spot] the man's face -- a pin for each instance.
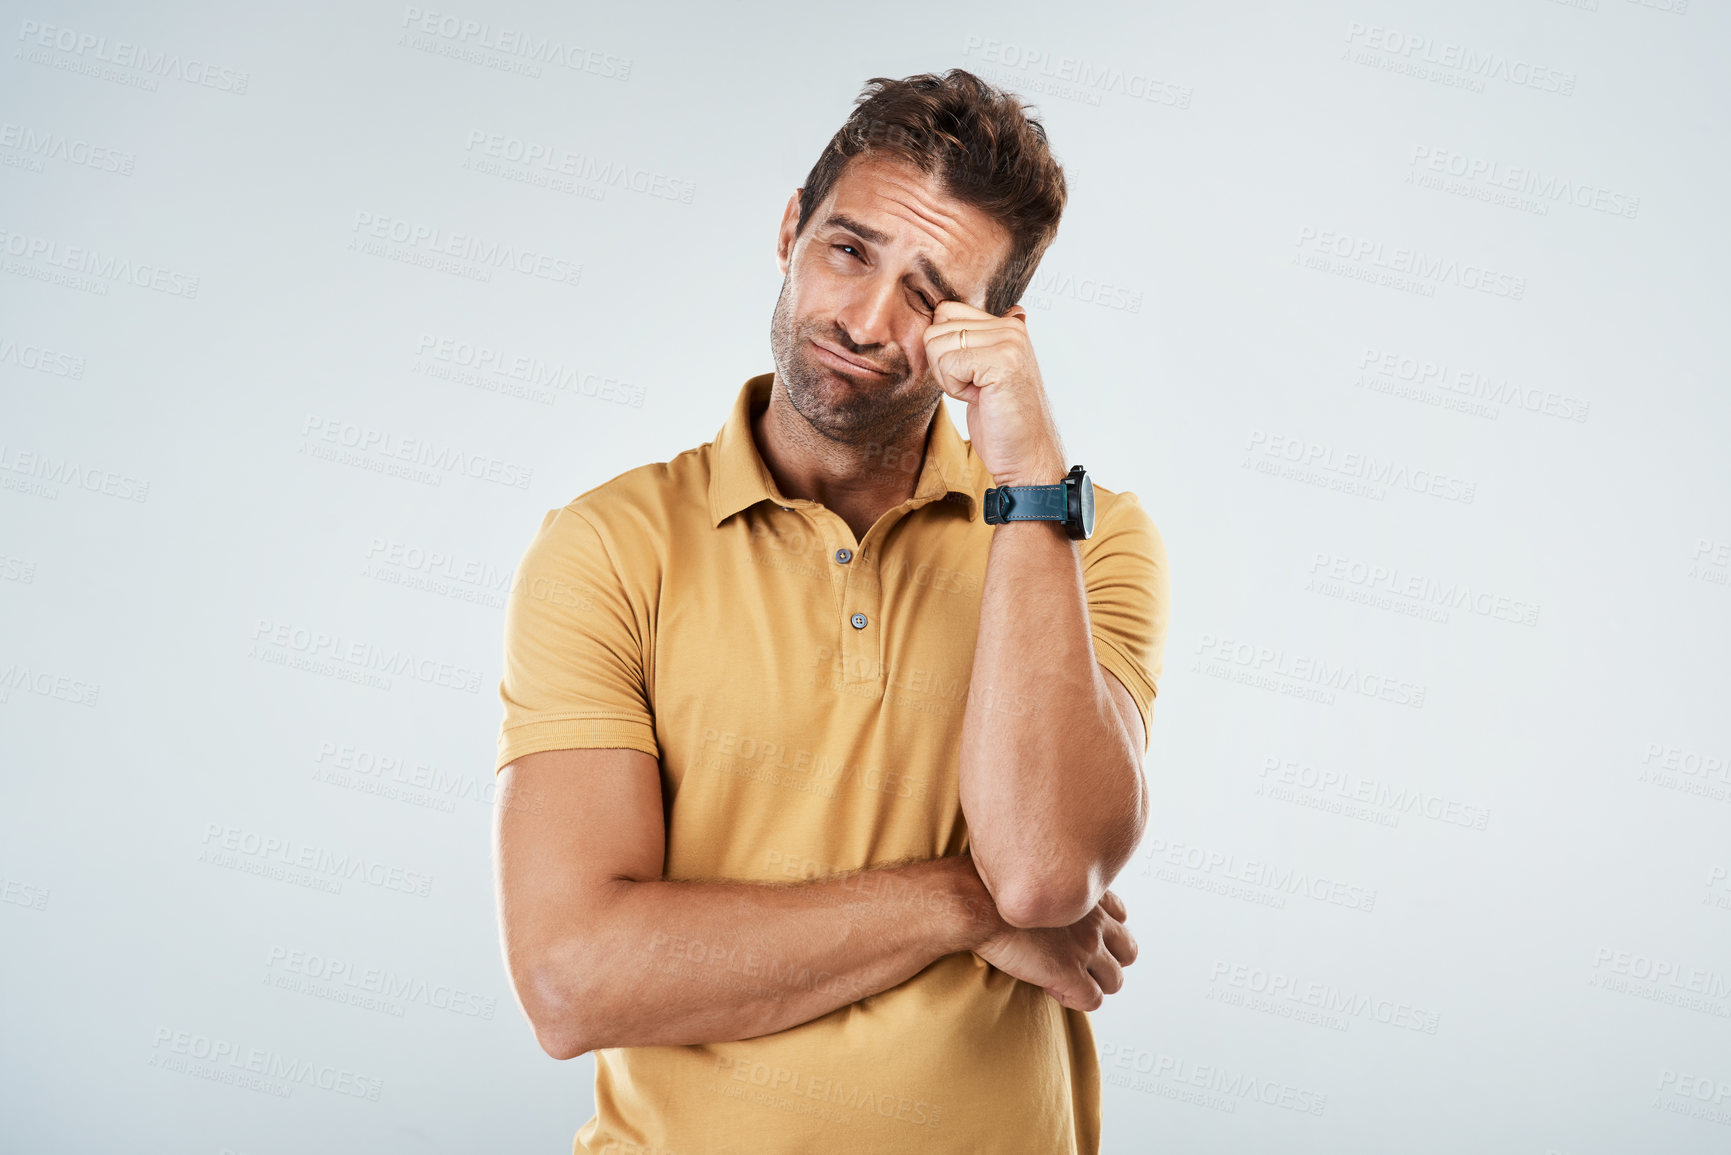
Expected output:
(858, 292)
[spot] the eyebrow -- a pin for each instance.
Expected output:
(873, 236)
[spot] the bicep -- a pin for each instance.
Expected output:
(570, 827)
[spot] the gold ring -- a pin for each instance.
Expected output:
(964, 338)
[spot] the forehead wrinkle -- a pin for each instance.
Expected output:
(874, 236)
(860, 229)
(935, 220)
(957, 236)
(947, 230)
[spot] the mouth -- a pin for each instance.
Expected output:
(842, 361)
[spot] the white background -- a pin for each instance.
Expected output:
(1494, 917)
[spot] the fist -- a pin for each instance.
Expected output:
(988, 363)
(1077, 964)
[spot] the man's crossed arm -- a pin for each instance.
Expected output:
(603, 952)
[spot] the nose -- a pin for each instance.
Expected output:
(867, 318)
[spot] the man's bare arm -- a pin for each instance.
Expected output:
(1054, 792)
(1052, 787)
(603, 953)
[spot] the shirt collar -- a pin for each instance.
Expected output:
(738, 478)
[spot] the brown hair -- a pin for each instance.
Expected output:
(982, 146)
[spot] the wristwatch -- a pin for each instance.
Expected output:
(1070, 502)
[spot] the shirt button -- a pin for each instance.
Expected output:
(844, 556)
(859, 621)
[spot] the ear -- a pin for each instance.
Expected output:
(785, 234)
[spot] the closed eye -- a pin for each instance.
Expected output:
(927, 304)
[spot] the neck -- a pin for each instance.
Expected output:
(857, 481)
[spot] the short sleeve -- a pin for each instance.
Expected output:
(1124, 572)
(573, 671)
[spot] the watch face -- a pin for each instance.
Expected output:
(1080, 505)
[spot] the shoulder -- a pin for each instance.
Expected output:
(644, 501)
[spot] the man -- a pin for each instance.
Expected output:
(814, 778)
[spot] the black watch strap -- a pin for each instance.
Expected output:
(1027, 503)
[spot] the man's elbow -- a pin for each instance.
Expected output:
(560, 1033)
(560, 1043)
(555, 1013)
(1031, 903)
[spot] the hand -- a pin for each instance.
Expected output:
(1077, 964)
(1009, 421)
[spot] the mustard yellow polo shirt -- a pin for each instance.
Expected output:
(804, 694)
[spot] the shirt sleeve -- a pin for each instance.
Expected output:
(1124, 572)
(573, 671)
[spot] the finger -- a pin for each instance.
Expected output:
(1114, 906)
(1119, 941)
(956, 368)
(979, 333)
(945, 368)
(1106, 972)
(1082, 994)
(950, 310)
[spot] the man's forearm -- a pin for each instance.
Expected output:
(677, 962)
(1050, 782)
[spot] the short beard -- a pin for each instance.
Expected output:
(873, 414)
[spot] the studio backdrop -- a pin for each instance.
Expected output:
(1405, 322)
